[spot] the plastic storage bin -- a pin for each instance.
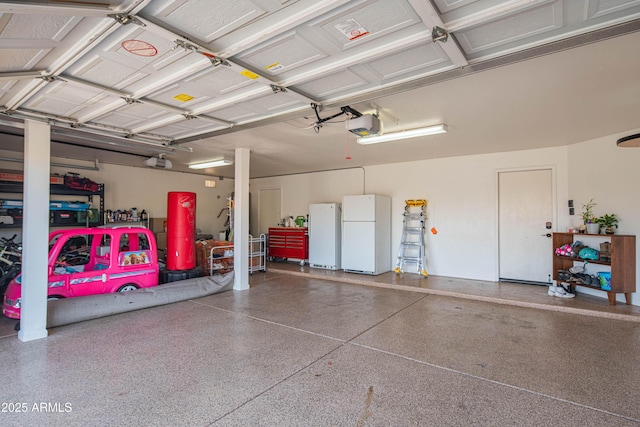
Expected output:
(605, 280)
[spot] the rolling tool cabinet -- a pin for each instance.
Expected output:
(288, 242)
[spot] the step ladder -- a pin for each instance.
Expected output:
(412, 247)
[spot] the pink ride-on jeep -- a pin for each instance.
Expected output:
(89, 261)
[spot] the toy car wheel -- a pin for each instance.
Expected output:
(54, 297)
(127, 288)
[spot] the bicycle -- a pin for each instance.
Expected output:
(10, 261)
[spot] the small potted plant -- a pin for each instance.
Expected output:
(589, 218)
(609, 222)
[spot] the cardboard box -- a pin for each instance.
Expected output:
(161, 240)
(222, 263)
(18, 176)
(158, 225)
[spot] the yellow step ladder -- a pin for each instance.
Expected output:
(412, 247)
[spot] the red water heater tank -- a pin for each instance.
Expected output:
(181, 230)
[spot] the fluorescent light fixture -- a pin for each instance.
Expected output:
(394, 136)
(211, 164)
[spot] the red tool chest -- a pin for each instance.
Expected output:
(289, 242)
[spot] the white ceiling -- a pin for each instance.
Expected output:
(196, 79)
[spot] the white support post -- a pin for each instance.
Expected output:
(35, 231)
(241, 221)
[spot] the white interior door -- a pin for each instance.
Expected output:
(525, 208)
(270, 212)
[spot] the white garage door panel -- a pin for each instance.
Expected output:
(38, 27)
(377, 18)
(285, 53)
(185, 128)
(426, 57)
(524, 25)
(68, 99)
(219, 80)
(211, 19)
(131, 116)
(337, 83)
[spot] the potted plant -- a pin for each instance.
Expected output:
(609, 222)
(589, 218)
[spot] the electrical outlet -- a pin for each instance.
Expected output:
(571, 212)
(571, 204)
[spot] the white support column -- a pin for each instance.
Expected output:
(35, 231)
(241, 221)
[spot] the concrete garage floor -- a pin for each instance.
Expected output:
(315, 348)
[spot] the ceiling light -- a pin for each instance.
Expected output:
(211, 164)
(629, 141)
(394, 136)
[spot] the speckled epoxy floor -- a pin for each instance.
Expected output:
(300, 350)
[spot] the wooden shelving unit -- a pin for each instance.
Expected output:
(623, 262)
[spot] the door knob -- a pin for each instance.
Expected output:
(546, 235)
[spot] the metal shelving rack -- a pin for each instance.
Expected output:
(221, 258)
(59, 189)
(257, 253)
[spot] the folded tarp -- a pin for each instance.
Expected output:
(71, 310)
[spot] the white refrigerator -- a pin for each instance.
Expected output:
(325, 235)
(366, 234)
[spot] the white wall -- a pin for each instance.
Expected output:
(144, 188)
(462, 195)
(147, 188)
(300, 190)
(463, 205)
(609, 175)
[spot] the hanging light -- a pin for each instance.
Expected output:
(211, 164)
(394, 136)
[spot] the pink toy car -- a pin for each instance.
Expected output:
(88, 261)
